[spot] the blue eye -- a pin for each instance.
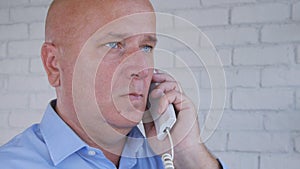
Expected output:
(147, 49)
(113, 45)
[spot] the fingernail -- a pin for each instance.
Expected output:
(156, 93)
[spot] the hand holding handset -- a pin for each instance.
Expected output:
(162, 121)
(163, 124)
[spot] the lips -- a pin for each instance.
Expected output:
(135, 96)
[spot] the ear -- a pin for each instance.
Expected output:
(49, 54)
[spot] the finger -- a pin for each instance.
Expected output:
(168, 86)
(179, 100)
(162, 77)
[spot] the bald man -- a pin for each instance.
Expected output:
(98, 55)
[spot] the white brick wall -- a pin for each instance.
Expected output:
(280, 161)
(298, 99)
(28, 14)
(298, 55)
(205, 17)
(281, 33)
(272, 55)
(258, 42)
(221, 2)
(232, 36)
(262, 99)
(281, 76)
(296, 11)
(13, 32)
(297, 143)
(240, 160)
(254, 141)
(284, 121)
(257, 13)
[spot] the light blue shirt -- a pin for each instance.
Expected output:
(52, 144)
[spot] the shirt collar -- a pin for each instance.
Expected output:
(60, 139)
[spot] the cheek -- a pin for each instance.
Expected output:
(107, 81)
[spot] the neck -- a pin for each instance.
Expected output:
(111, 149)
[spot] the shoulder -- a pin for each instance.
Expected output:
(24, 150)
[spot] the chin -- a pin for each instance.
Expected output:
(123, 125)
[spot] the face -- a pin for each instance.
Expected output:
(125, 71)
(120, 52)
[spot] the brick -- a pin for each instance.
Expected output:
(262, 99)
(243, 77)
(4, 119)
(239, 159)
(279, 161)
(221, 2)
(164, 22)
(186, 78)
(37, 30)
(28, 14)
(40, 2)
(3, 48)
(296, 11)
(28, 83)
(2, 83)
(217, 142)
(10, 3)
(36, 66)
(272, 55)
(298, 55)
(30, 48)
(14, 66)
(206, 96)
(255, 141)
(13, 101)
(203, 17)
(232, 36)
(298, 99)
(282, 76)
(225, 56)
(13, 32)
(174, 39)
(190, 93)
(297, 143)
(174, 4)
(281, 33)
(283, 121)
(4, 15)
(163, 59)
(260, 13)
(187, 58)
(235, 121)
(221, 57)
(16, 119)
(40, 100)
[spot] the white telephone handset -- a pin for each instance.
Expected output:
(162, 121)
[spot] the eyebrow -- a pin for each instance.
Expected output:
(120, 36)
(151, 38)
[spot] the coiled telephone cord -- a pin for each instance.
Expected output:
(168, 158)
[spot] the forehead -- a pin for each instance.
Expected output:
(128, 26)
(73, 19)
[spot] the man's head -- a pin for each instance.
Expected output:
(123, 74)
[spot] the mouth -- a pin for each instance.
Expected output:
(135, 96)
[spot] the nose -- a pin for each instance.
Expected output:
(140, 74)
(138, 65)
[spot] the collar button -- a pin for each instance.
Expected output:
(91, 153)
